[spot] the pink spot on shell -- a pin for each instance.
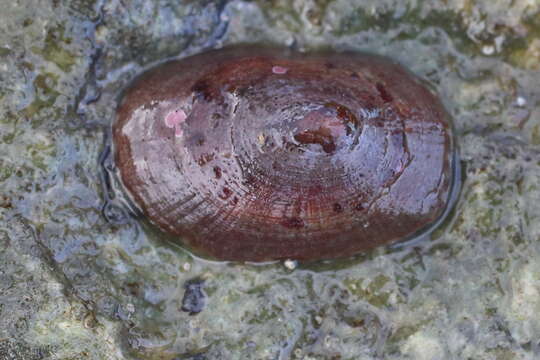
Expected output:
(279, 70)
(177, 130)
(175, 118)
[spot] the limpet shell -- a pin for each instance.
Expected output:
(252, 154)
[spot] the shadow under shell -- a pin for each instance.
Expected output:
(254, 154)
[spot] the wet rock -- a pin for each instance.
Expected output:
(194, 297)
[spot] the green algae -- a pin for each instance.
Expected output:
(53, 50)
(4, 51)
(46, 95)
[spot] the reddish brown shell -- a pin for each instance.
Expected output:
(251, 153)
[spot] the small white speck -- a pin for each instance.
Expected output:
(318, 319)
(290, 264)
(521, 101)
(280, 70)
(130, 308)
(186, 266)
(488, 50)
(499, 40)
(261, 139)
(290, 41)
(177, 131)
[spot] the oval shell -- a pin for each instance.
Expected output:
(252, 153)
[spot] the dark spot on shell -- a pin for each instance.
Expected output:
(203, 90)
(249, 180)
(385, 95)
(359, 207)
(345, 114)
(337, 208)
(226, 193)
(217, 172)
(317, 137)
